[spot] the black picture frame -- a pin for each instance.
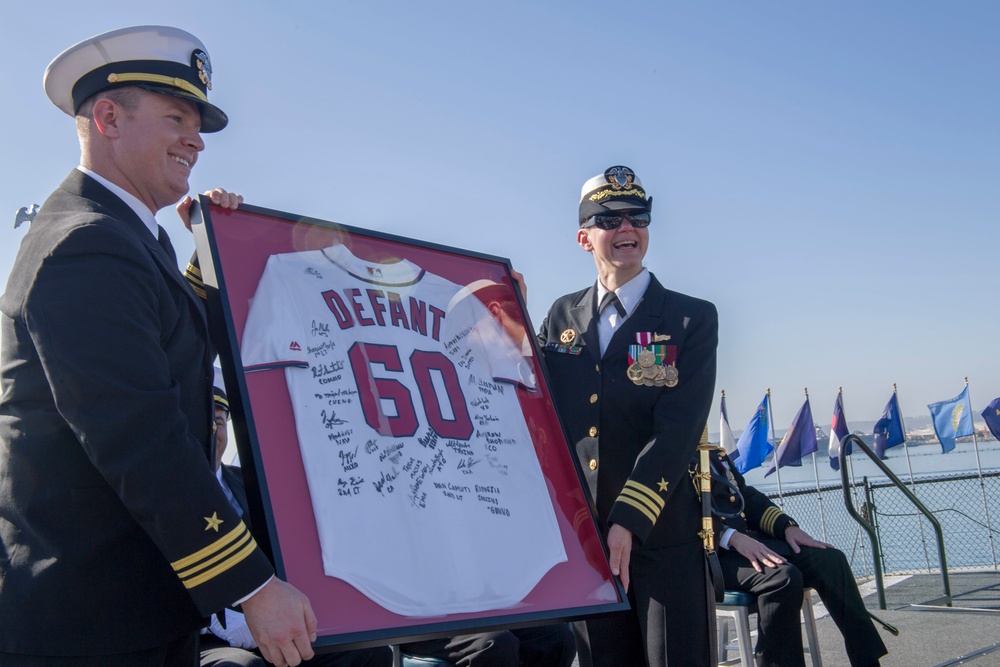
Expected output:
(233, 248)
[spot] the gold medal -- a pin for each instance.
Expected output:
(671, 376)
(567, 336)
(634, 373)
(646, 359)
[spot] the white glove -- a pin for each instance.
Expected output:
(236, 633)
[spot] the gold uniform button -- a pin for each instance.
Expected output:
(593, 464)
(732, 499)
(593, 398)
(598, 368)
(593, 431)
(743, 514)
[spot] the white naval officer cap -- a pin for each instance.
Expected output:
(158, 58)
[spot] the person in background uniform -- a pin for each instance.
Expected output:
(229, 643)
(115, 538)
(632, 366)
(764, 552)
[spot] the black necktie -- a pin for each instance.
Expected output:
(611, 299)
(167, 246)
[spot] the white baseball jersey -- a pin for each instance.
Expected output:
(426, 490)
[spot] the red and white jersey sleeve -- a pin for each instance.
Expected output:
(426, 490)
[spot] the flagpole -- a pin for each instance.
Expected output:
(859, 493)
(819, 494)
(905, 449)
(979, 469)
(843, 455)
(850, 461)
(770, 419)
(913, 486)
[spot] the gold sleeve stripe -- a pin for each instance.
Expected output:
(194, 569)
(223, 566)
(193, 275)
(642, 500)
(651, 495)
(767, 521)
(212, 549)
(639, 506)
(202, 294)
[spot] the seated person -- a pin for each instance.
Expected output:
(763, 551)
(543, 646)
(227, 641)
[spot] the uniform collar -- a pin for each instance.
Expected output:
(140, 209)
(630, 293)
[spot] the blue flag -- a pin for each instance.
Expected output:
(838, 431)
(799, 440)
(952, 419)
(889, 429)
(754, 446)
(991, 415)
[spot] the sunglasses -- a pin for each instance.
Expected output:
(638, 220)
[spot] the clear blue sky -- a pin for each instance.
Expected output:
(827, 173)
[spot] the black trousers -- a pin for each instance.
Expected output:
(672, 620)
(779, 599)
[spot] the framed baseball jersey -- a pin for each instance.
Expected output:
(405, 466)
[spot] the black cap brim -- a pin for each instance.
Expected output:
(589, 209)
(213, 118)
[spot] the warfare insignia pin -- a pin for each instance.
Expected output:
(567, 336)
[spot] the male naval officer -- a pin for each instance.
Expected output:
(115, 537)
(633, 370)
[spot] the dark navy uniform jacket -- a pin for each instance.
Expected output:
(633, 442)
(114, 533)
(756, 515)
